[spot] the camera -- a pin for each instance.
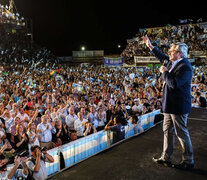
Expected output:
(43, 149)
(23, 154)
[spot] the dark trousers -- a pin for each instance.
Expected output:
(176, 125)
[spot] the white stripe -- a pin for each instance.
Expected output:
(196, 119)
(147, 120)
(69, 153)
(90, 145)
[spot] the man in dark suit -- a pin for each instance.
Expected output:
(176, 102)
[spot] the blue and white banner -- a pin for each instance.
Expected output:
(85, 147)
(147, 121)
(109, 61)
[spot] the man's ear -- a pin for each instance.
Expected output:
(180, 54)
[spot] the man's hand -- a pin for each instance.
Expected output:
(163, 69)
(88, 125)
(147, 42)
(30, 135)
(39, 130)
(17, 161)
(53, 124)
(5, 146)
(38, 153)
(24, 137)
(65, 126)
(24, 159)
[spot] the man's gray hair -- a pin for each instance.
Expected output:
(183, 48)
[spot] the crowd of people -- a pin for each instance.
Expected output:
(199, 87)
(16, 48)
(192, 34)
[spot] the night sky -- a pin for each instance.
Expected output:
(66, 25)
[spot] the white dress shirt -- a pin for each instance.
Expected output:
(92, 119)
(79, 127)
(70, 119)
(22, 117)
(46, 134)
(174, 64)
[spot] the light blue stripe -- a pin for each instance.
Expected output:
(69, 161)
(90, 152)
(129, 133)
(148, 125)
(52, 169)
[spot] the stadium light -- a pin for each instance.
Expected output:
(119, 46)
(83, 48)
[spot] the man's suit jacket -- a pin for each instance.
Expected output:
(176, 98)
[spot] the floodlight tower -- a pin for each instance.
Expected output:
(28, 21)
(12, 6)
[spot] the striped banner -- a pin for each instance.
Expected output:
(85, 147)
(147, 121)
(53, 167)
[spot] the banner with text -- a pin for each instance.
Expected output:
(145, 59)
(109, 61)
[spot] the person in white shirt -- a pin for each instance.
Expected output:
(91, 103)
(84, 113)
(70, 119)
(101, 119)
(46, 129)
(23, 116)
(63, 110)
(111, 101)
(126, 86)
(137, 108)
(14, 111)
(92, 117)
(54, 114)
(51, 99)
(9, 121)
(79, 125)
(48, 113)
(9, 105)
(70, 101)
(34, 136)
(20, 101)
(15, 172)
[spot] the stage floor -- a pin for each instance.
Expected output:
(132, 159)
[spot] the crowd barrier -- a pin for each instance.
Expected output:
(88, 146)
